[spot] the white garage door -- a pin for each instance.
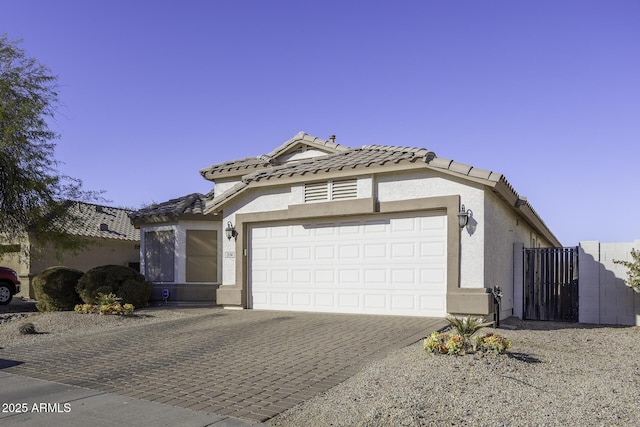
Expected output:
(390, 265)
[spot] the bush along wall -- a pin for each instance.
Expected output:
(126, 283)
(55, 289)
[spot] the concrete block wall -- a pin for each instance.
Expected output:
(604, 297)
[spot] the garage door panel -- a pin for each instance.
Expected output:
(403, 302)
(403, 250)
(324, 252)
(433, 249)
(280, 276)
(376, 251)
(433, 303)
(436, 276)
(324, 300)
(302, 299)
(279, 298)
(401, 278)
(349, 277)
(349, 251)
(301, 252)
(394, 265)
(432, 222)
(348, 301)
(375, 302)
(279, 254)
(375, 277)
(301, 276)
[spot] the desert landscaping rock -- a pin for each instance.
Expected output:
(555, 374)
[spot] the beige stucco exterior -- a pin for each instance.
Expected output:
(253, 192)
(180, 290)
(97, 252)
(470, 276)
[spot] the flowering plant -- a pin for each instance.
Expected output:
(493, 343)
(444, 343)
(116, 308)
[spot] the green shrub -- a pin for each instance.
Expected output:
(55, 289)
(135, 293)
(109, 279)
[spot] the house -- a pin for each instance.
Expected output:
(110, 238)
(319, 226)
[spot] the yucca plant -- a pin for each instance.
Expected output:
(466, 327)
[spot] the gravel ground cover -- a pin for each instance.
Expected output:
(56, 325)
(556, 374)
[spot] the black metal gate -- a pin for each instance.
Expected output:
(551, 284)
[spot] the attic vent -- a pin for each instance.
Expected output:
(331, 190)
(345, 189)
(316, 191)
(98, 208)
(104, 227)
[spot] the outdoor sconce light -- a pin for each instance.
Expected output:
(463, 216)
(230, 230)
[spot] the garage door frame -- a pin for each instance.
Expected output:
(414, 255)
(468, 300)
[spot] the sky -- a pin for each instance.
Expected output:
(545, 92)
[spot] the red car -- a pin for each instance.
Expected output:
(9, 285)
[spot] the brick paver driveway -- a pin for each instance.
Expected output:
(248, 364)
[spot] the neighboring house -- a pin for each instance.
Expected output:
(318, 226)
(111, 239)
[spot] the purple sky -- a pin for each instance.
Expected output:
(545, 92)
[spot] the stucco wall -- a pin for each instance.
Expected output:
(262, 200)
(221, 186)
(603, 296)
(100, 252)
(505, 236)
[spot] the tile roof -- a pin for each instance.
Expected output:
(461, 168)
(365, 156)
(244, 165)
(190, 204)
(314, 141)
(103, 222)
(247, 164)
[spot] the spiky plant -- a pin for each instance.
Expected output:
(467, 326)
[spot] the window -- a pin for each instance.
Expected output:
(331, 190)
(202, 256)
(159, 254)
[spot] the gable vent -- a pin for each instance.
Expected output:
(345, 189)
(331, 190)
(315, 192)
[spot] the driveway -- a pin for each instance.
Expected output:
(248, 364)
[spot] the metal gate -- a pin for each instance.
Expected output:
(551, 284)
